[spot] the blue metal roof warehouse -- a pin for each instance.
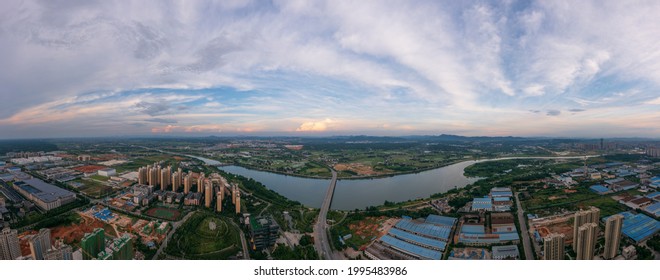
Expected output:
(418, 240)
(653, 209)
(655, 195)
(638, 227)
(482, 203)
(441, 220)
(410, 248)
(600, 189)
(428, 230)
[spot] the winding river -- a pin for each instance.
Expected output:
(352, 194)
(361, 193)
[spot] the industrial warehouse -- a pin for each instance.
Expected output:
(44, 195)
(414, 239)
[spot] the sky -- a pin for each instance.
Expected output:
(234, 67)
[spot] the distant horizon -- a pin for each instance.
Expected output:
(239, 136)
(576, 69)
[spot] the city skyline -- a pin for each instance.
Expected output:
(552, 69)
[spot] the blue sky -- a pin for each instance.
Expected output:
(524, 68)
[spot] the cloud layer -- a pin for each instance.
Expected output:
(95, 68)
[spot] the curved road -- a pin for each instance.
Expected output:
(321, 239)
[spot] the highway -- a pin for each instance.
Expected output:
(527, 244)
(321, 239)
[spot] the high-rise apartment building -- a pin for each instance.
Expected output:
(179, 183)
(584, 217)
(9, 247)
(175, 181)
(613, 226)
(218, 202)
(142, 176)
(65, 252)
(153, 176)
(187, 183)
(200, 183)
(553, 247)
(122, 248)
(40, 244)
(93, 243)
(237, 203)
(586, 241)
(165, 177)
(653, 151)
(208, 193)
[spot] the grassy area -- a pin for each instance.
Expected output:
(551, 197)
(490, 168)
(100, 178)
(205, 236)
(61, 220)
(606, 204)
(304, 222)
(94, 188)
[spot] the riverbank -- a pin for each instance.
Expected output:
(416, 171)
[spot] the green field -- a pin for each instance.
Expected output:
(205, 236)
(164, 213)
(94, 188)
(100, 178)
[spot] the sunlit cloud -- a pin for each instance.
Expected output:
(317, 125)
(551, 68)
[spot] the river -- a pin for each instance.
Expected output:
(361, 193)
(352, 194)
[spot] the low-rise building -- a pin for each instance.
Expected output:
(507, 252)
(107, 172)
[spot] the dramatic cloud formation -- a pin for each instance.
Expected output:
(96, 68)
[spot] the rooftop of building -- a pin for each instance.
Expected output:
(416, 239)
(655, 195)
(411, 248)
(501, 218)
(505, 251)
(43, 190)
(653, 209)
(425, 229)
(440, 220)
(638, 227)
(599, 189)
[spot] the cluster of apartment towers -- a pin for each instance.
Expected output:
(585, 234)
(163, 177)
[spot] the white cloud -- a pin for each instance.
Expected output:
(308, 65)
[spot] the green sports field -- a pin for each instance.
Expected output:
(164, 213)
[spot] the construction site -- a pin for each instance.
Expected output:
(149, 231)
(561, 224)
(364, 231)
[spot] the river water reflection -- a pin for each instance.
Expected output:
(352, 194)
